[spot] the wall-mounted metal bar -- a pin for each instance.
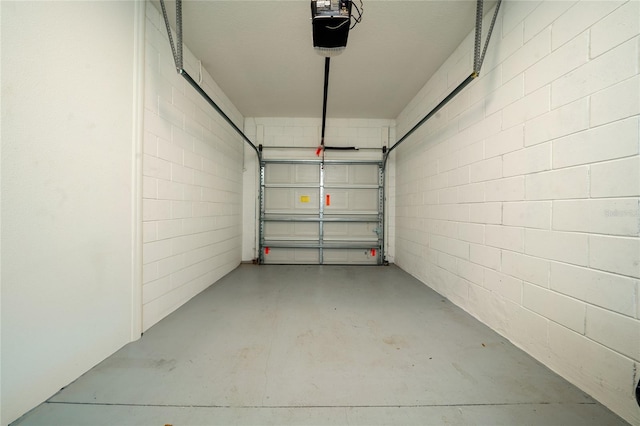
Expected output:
(486, 43)
(261, 203)
(325, 162)
(432, 112)
(215, 106)
(321, 202)
(320, 245)
(478, 36)
(177, 57)
(381, 222)
(270, 217)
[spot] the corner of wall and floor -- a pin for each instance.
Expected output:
(519, 200)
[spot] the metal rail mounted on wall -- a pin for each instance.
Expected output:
(176, 50)
(478, 59)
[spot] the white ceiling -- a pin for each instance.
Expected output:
(261, 54)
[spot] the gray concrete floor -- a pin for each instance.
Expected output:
(313, 345)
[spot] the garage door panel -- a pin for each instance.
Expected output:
(365, 175)
(336, 174)
(292, 256)
(290, 230)
(351, 200)
(336, 199)
(351, 174)
(351, 231)
(349, 256)
(307, 199)
(278, 174)
(292, 174)
(291, 200)
(279, 199)
(363, 200)
(306, 173)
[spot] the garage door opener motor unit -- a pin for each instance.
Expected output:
(331, 24)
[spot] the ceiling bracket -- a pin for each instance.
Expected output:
(477, 65)
(177, 53)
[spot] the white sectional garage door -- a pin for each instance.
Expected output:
(315, 211)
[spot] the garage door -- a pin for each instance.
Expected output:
(321, 212)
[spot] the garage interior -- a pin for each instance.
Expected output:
(159, 266)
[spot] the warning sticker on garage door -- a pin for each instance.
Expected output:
(304, 198)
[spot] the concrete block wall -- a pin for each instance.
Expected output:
(300, 132)
(192, 181)
(519, 201)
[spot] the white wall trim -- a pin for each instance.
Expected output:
(136, 169)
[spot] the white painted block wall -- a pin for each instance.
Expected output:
(301, 133)
(192, 184)
(519, 200)
(68, 188)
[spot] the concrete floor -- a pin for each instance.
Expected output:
(312, 345)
